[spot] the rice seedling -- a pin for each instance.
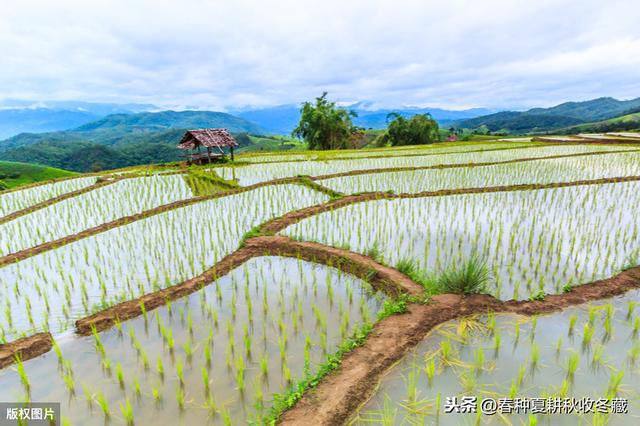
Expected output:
(109, 275)
(127, 412)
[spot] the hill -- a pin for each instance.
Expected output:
(565, 115)
(622, 123)
(127, 128)
(118, 140)
(17, 174)
(20, 116)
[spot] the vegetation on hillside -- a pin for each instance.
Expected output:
(16, 174)
(560, 116)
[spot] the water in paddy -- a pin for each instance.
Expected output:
(506, 356)
(532, 241)
(262, 326)
(51, 290)
(262, 172)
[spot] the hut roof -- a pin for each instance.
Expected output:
(208, 138)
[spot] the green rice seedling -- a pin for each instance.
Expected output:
(535, 356)
(155, 392)
(240, 370)
(180, 397)
(127, 412)
(430, 369)
(572, 364)
(160, 368)
(207, 354)
(521, 372)
(22, 373)
(587, 334)
(120, 375)
(205, 379)
(572, 323)
(614, 383)
(98, 343)
(104, 406)
(264, 365)
(180, 371)
(226, 417)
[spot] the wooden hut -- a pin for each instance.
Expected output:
(214, 140)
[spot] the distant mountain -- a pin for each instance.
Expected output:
(117, 140)
(15, 121)
(141, 127)
(19, 116)
(567, 114)
(283, 119)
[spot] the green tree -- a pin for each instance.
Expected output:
(3, 186)
(418, 130)
(324, 125)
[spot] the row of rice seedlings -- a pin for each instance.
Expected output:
(216, 355)
(49, 291)
(465, 358)
(533, 172)
(263, 172)
(440, 148)
(123, 198)
(533, 241)
(18, 200)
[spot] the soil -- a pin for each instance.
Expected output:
(26, 348)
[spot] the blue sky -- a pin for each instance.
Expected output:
(228, 54)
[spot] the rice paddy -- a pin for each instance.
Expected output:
(532, 172)
(584, 352)
(262, 172)
(123, 198)
(50, 290)
(583, 228)
(270, 332)
(22, 199)
(216, 356)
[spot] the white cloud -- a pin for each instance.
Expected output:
(221, 54)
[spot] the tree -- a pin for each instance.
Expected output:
(417, 130)
(325, 126)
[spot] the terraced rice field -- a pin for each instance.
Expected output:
(479, 154)
(498, 271)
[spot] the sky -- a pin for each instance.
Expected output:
(225, 55)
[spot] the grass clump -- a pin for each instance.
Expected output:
(469, 277)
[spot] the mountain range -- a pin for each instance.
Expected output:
(282, 119)
(104, 136)
(565, 115)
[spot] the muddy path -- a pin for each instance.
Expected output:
(25, 348)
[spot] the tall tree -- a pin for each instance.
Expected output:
(417, 130)
(323, 125)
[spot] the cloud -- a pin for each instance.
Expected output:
(223, 54)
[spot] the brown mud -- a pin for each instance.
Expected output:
(25, 348)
